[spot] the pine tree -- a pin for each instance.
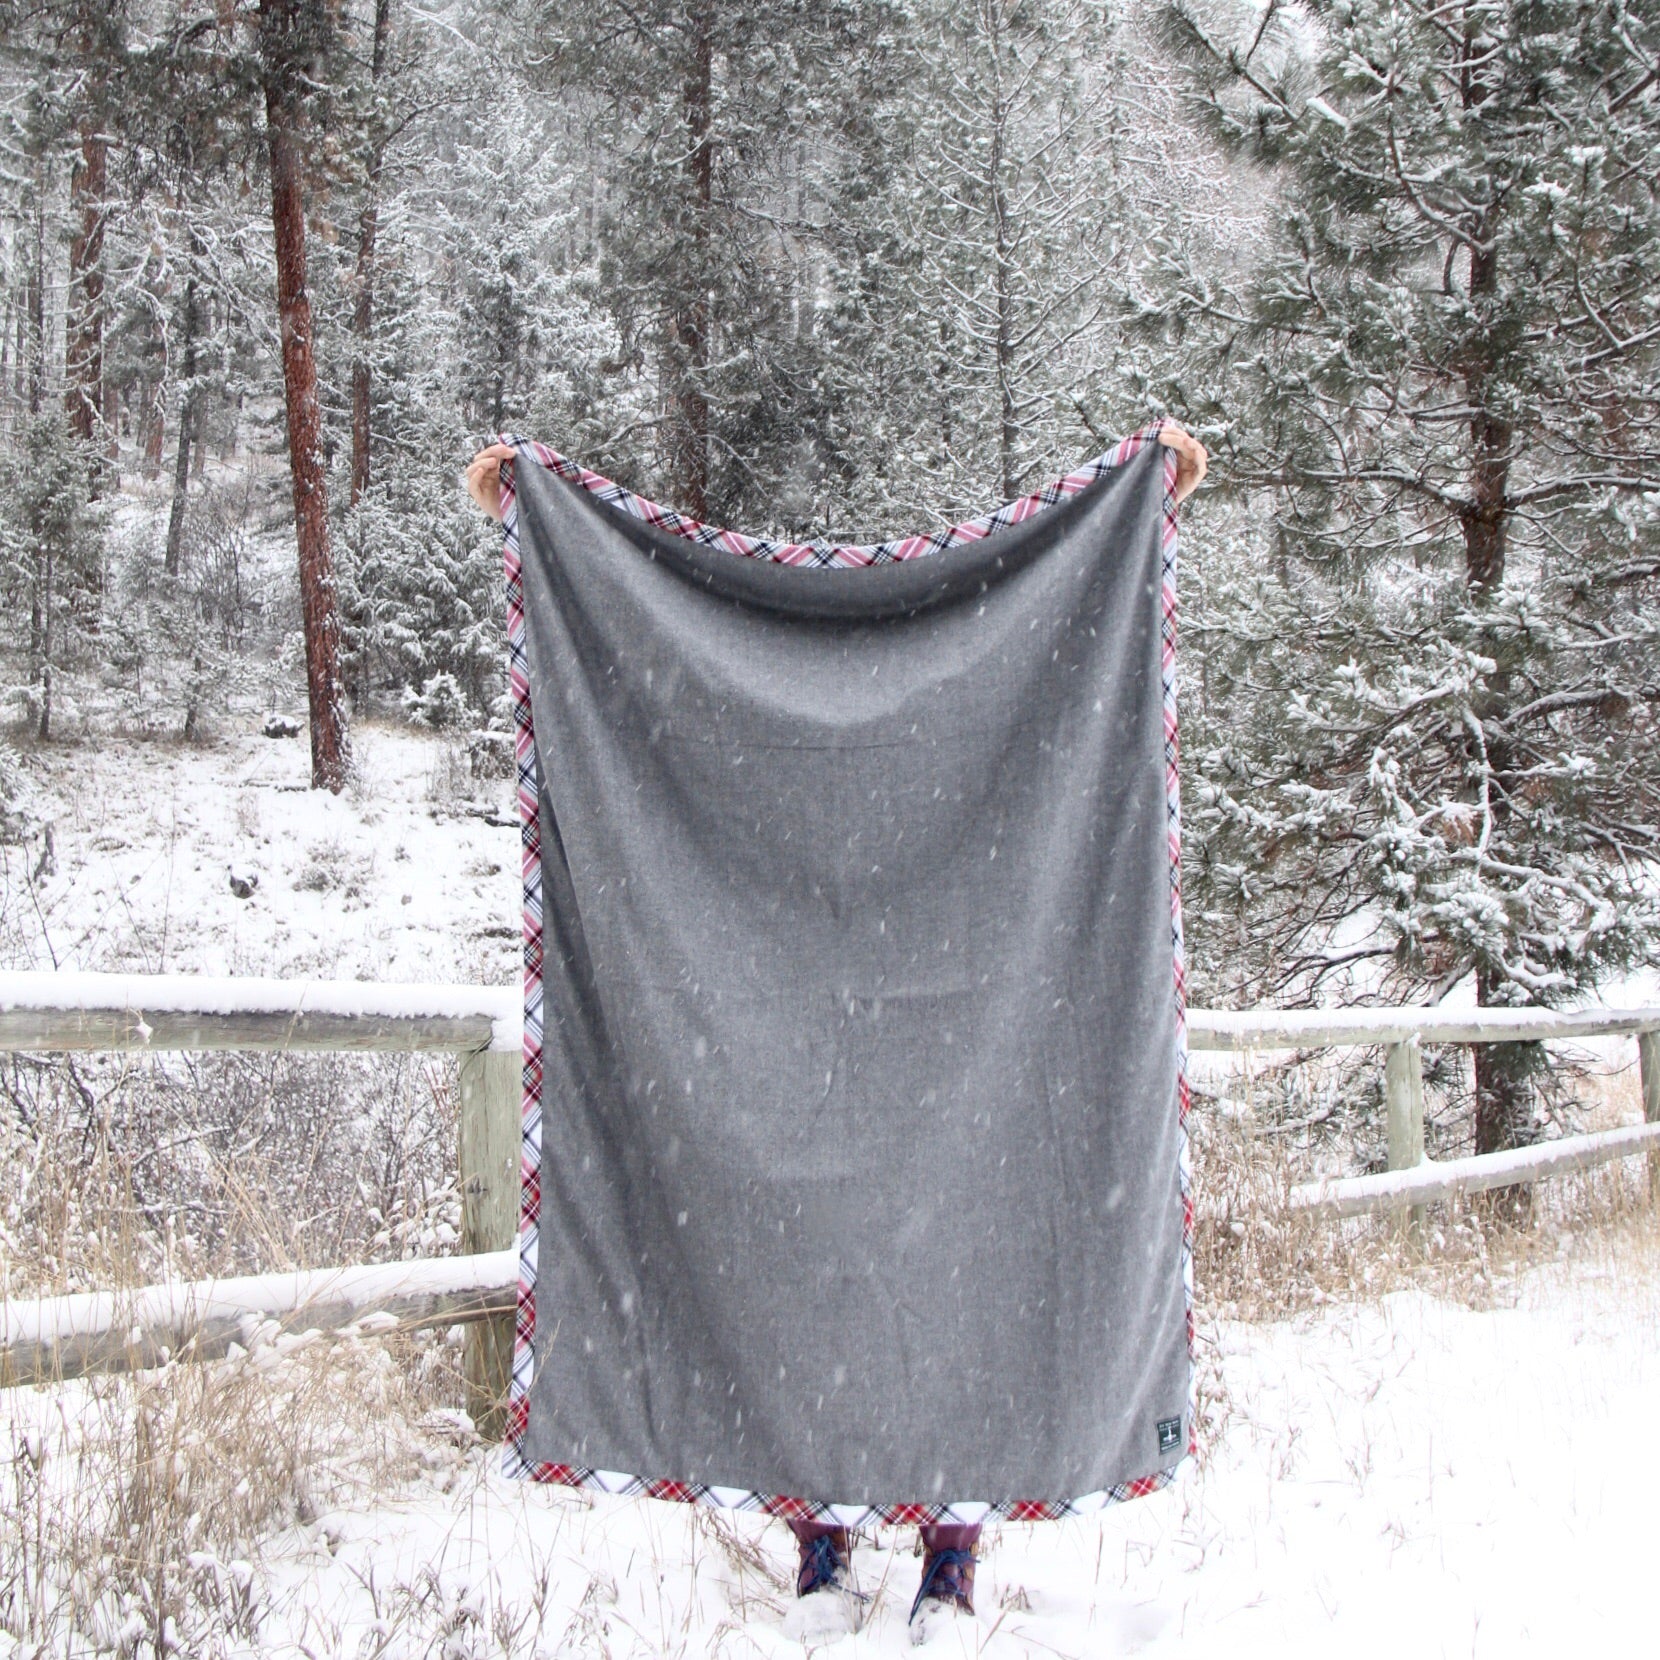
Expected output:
(293, 35)
(487, 317)
(1012, 160)
(51, 546)
(705, 123)
(97, 35)
(1431, 743)
(363, 276)
(1011, 219)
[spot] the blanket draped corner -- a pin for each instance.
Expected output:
(854, 1161)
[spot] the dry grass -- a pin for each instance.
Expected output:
(127, 1169)
(1256, 1261)
(1262, 1134)
(134, 1510)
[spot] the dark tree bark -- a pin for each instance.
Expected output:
(152, 423)
(84, 347)
(1486, 521)
(187, 427)
(1503, 1071)
(89, 212)
(689, 327)
(1504, 1075)
(363, 315)
(280, 22)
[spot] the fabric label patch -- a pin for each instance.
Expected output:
(1170, 1434)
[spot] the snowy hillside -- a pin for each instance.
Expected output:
(411, 874)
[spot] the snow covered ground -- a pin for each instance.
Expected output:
(1407, 1477)
(410, 874)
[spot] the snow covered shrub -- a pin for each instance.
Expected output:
(217, 563)
(422, 590)
(331, 867)
(450, 779)
(440, 703)
(490, 754)
(176, 646)
(15, 817)
(51, 552)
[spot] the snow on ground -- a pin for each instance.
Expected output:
(1410, 1475)
(1407, 1477)
(410, 874)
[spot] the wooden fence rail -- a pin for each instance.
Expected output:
(54, 1338)
(42, 1339)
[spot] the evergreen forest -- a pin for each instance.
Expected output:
(271, 272)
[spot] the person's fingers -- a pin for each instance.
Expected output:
(1180, 440)
(1192, 462)
(488, 460)
(483, 477)
(487, 463)
(1201, 466)
(482, 484)
(1194, 465)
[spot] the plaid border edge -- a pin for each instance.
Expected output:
(515, 1463)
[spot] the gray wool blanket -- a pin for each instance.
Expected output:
(854, 1159)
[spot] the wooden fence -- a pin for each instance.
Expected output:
(61, 1337)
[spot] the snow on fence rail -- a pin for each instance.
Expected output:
(482, 1025)
(52, 1012)
(101, 1331)
(66, 1336)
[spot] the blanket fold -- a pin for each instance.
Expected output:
(854, 1171)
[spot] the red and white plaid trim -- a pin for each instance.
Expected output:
(823, 555)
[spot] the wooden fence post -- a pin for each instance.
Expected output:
(487, 1134)
(1648, 1064)
(1403, 1088)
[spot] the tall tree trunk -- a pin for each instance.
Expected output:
(1504, 1083)
(40, 597)
(88, 188)
(1503, 1071)
(1008, 432)
(1486, 522)
(689, 326)
(363, 315)
(84, 347)
(152, 423)
(48, 576)
(35, 305)
(319, 601)
(944, 365)
(803, 262)
(1008, 426)
(187, 428)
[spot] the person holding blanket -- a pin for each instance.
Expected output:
(828, 1604)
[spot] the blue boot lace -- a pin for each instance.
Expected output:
(821, 1565)
(944, 1581)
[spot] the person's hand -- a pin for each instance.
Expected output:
(484, 477)
(1191, 460)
